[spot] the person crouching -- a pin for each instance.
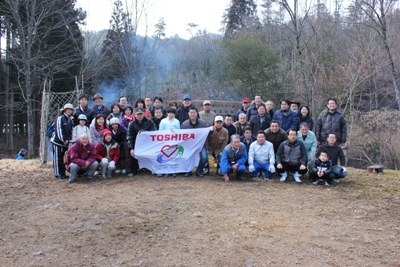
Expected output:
(107, 153)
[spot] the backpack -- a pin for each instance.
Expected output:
(50, 128)
(67, 158)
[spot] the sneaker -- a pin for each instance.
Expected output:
(266, 178)
(315, 183)
(296, 177)
(71, 181)
(91, 178)
(159, 175)
(104, 176)
(283, 177)
(130, 174)
(327, 184)
(118, 171)
(336, 180)
(96, 173)
(123, 171)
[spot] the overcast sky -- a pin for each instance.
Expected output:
(177, 14)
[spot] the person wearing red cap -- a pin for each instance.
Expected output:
(107, 153)
(245, 106)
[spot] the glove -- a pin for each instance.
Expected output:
(104, 160)
(272, 169)
(251, 168)
(111, 165)
(211, 128)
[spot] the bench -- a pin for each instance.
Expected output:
(375, 169)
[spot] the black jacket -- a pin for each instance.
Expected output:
(88, 112)
(256, 124)
(135, 127)
(182, 113)
(62, 130)
(335, 152)
(328, 122)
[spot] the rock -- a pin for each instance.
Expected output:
(38, 253)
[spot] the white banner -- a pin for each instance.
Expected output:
(170, 151)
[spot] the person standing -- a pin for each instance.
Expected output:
(170, 122)
(182, 114)
(305, 116)
(83, 109)
(61, 139)
(228, 124)
(206, 114)
(122, 101)
(193, 123)
(309, 140)
(243, 109)
(261, 121)
(99, 108)
(331, 120)
(275, 135)
(291, 157)
(158, 116)
(141, 123)
(217, 139)
(287, 118)
(241, 124)
(252, 111)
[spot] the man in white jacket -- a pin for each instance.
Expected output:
(261, 156)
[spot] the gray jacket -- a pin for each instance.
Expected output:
(292, 153)
(328, 122)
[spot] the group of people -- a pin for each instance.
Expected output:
(261, 140)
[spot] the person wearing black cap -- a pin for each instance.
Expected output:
(182, 114)
(141, 123)
(99, 108)
(83, 109)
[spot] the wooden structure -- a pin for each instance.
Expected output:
(375, 169)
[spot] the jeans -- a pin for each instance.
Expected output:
(338, 172)
(203, 160)
(74, 169)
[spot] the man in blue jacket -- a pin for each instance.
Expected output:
(233, 158)
(287, 118)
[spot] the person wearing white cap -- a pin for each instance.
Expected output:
(61, 139)
(80, 129)
(119, 135)
(217, 139)
(206, 114)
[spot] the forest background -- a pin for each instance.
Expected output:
(303, 50)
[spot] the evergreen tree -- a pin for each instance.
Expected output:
(242, 14)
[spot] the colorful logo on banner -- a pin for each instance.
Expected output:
(169, 153)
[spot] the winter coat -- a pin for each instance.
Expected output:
(96, 134)
(287, 120)
(135, 127)
(243, 140)
(257, 125)
(120, 137)
(80, 154)
(335, 152)
(310, 143)
(228, 156)
(63, 130)
(240, 111)
(101, 151)
(276, 138)
(207, 117)
(182, 113)
(328, 122)
(240, 127)
(261, 153)
(167, 124)
(326, 166)
(189, 125)
(216, 141)
(251, 112)
(104, 110)
(88, 112)
(78, 131)
(307, 119)
(292, 153)
(157, 122)
(119, 116)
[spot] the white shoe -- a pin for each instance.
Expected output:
(283, 177)
(336, 180)
(104, 176)
(123, 171)
(130, 175)
(296, 177)
(315, 183)
(118, 171)
(326, 184)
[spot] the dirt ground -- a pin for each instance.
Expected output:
(149, 221)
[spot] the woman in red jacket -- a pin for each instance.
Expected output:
(107, 153)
